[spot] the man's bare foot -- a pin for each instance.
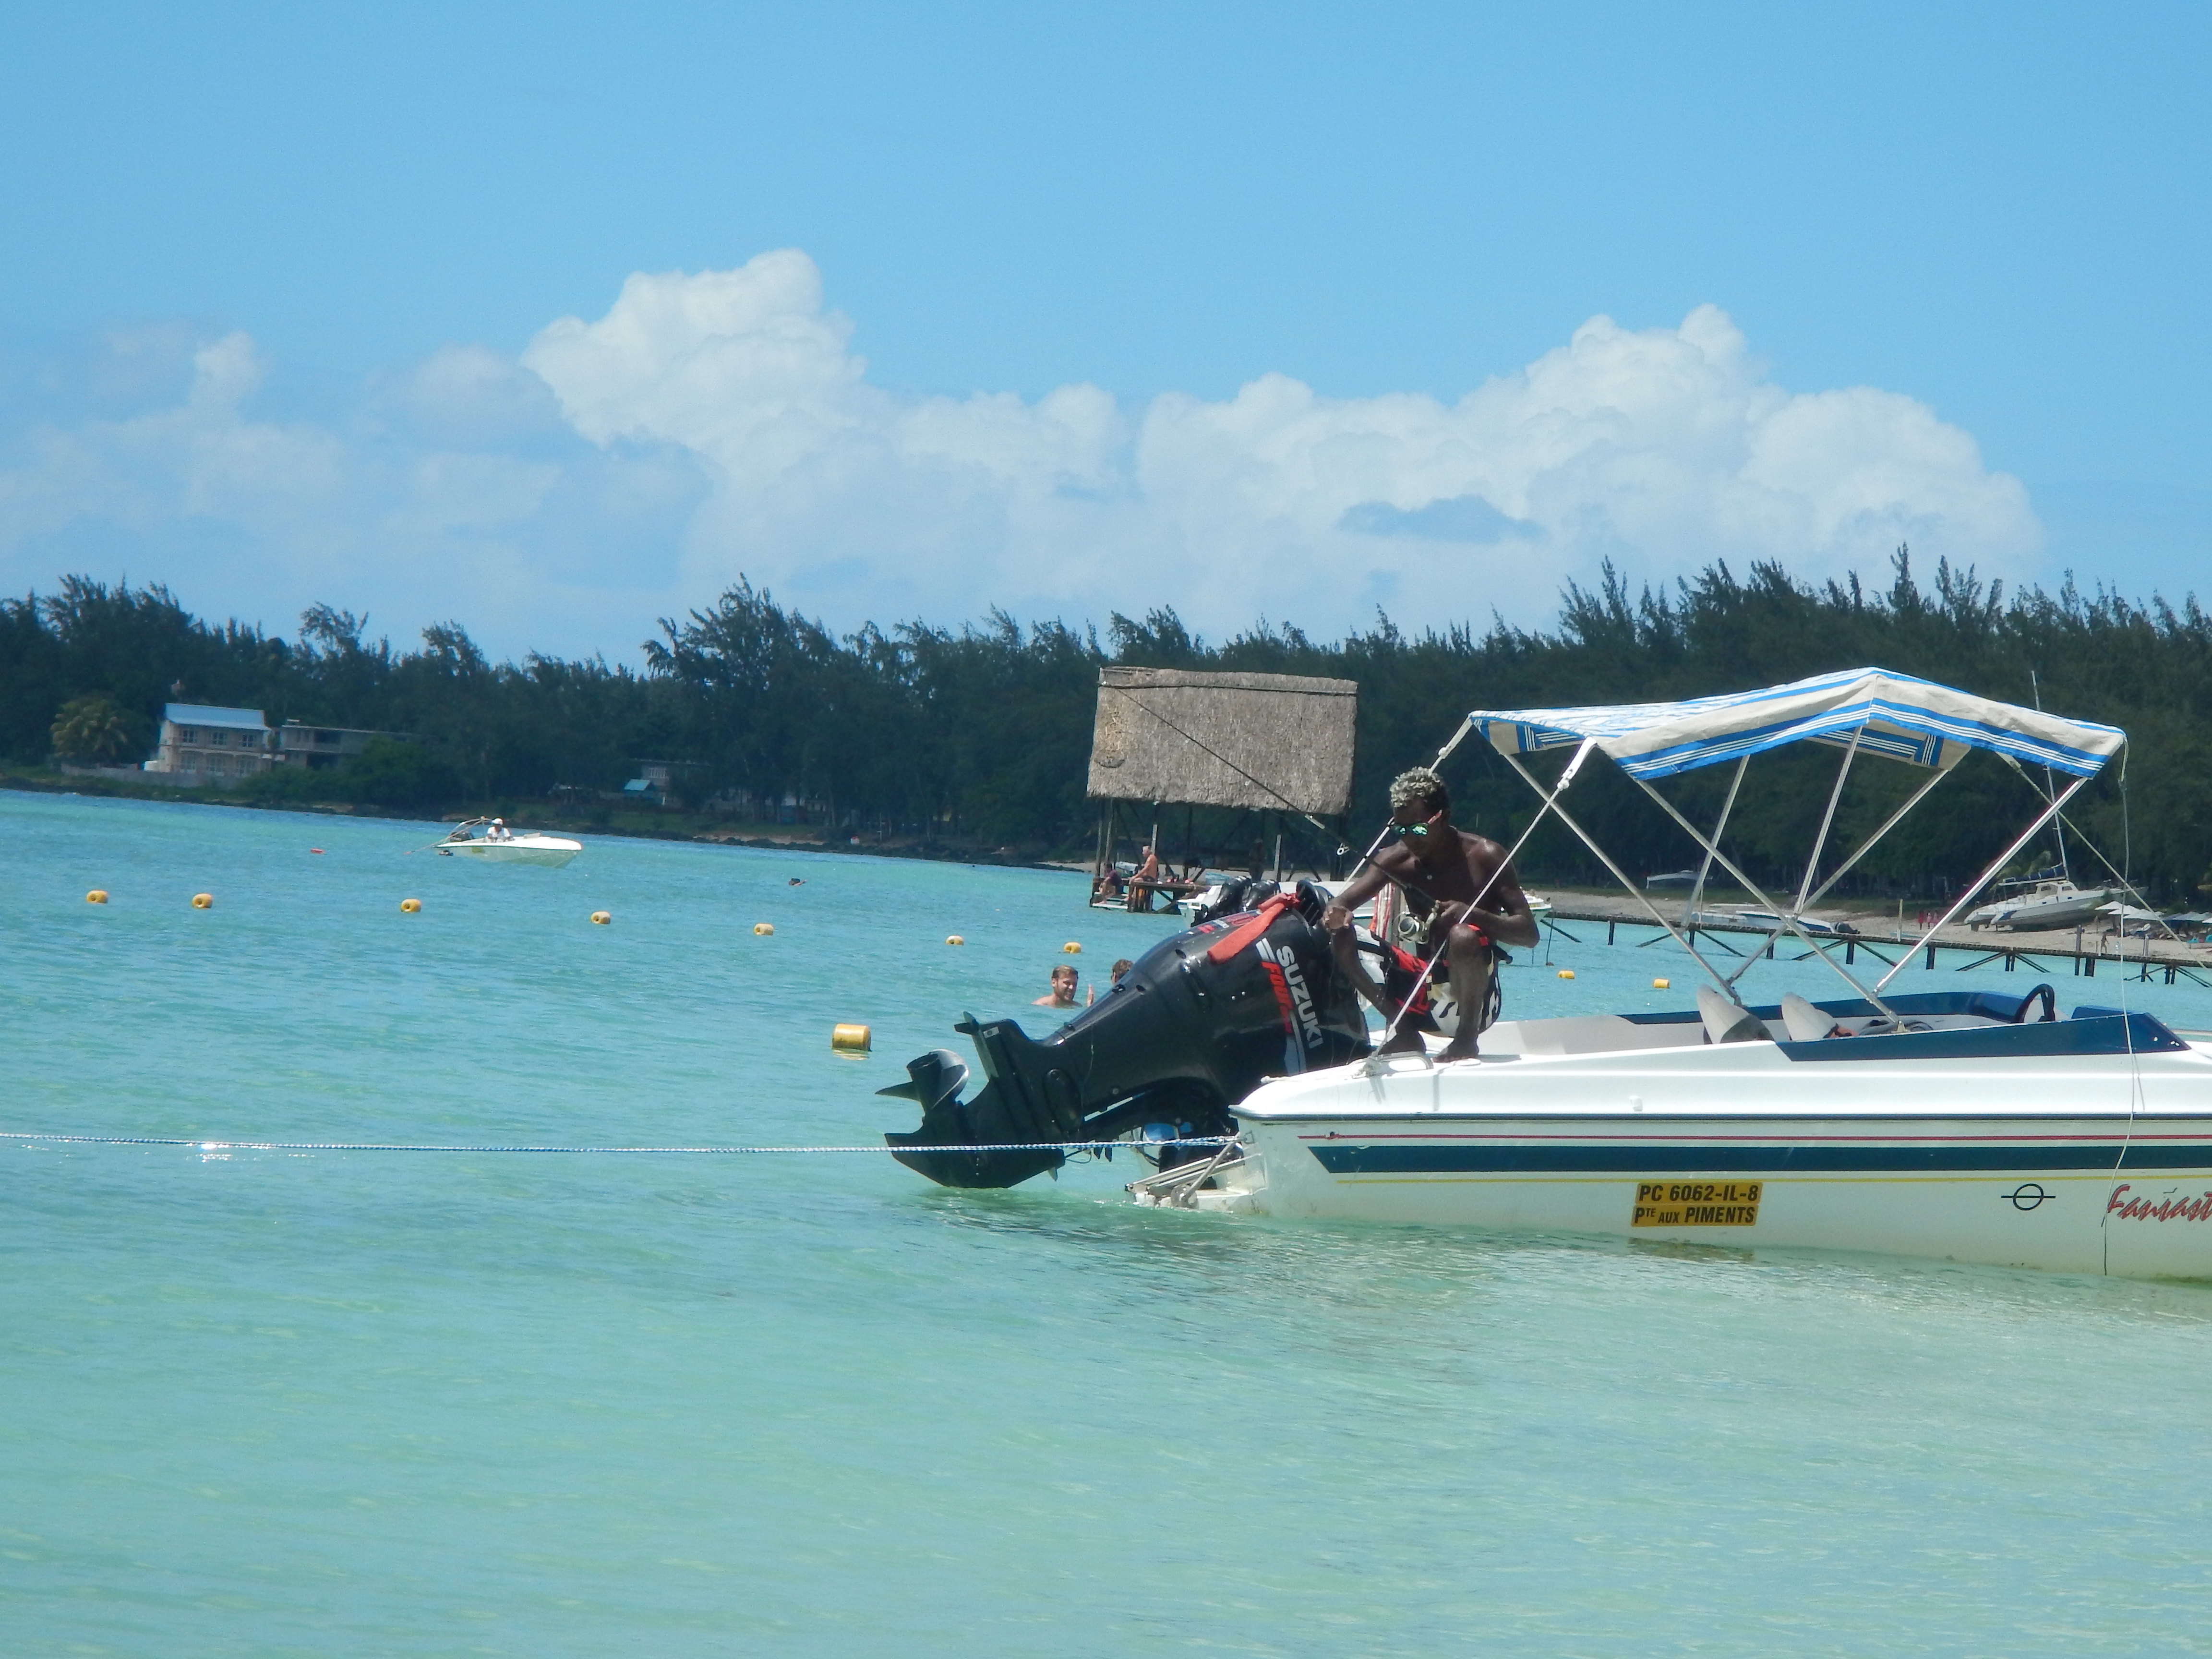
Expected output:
(1459, 1048)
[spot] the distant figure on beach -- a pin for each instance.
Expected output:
(1062, 994)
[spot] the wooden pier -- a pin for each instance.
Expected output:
(2084, 952)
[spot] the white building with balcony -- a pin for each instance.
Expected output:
(199, 741)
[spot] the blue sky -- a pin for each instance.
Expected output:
(1093, 307)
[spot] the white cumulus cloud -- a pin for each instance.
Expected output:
(716, 423)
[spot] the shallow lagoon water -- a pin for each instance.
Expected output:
(261, 1403)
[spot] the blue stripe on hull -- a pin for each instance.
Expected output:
(1354, 1158)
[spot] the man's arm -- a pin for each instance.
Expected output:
(1357, 891)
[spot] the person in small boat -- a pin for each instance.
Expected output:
(499, 831)
(1062, 994)
(1443, 870)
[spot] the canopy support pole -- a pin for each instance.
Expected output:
(1619, 875)
(1698, 891)
(1866, 846)
(1752, 887)
(2002, 858)
(1827, 821)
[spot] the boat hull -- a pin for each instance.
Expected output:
(1897, 1159)
(547, 851)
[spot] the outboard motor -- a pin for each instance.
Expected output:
(1199, 1021)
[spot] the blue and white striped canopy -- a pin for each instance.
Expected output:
(1894, 715)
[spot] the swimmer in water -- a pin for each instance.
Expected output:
(1062, 994)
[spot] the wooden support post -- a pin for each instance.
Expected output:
(1609, 926)
(1932, 958)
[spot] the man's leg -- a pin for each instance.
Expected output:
(1468, 957)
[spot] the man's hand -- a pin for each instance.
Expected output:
(1335, 919)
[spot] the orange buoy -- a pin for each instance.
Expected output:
(97, 896)
(601, 918)
(849, 1039)
(1073, 948)
(203, 901)
(763, 928)
(1662, 984)
(1566, 973)
(954, 938)
(409, 906)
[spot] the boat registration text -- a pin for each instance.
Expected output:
(1696, 1204)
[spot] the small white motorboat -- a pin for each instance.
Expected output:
(489, 840)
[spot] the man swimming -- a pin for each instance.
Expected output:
(1461, 883)
(1062, 994)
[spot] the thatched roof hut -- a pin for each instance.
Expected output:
(1272, 742)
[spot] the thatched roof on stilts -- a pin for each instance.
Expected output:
(1267, 741)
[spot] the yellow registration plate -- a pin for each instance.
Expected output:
(1697, 1204)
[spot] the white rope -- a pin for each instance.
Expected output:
(609, 1152)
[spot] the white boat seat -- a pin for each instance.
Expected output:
(1805, 1023)
(1729, 1022)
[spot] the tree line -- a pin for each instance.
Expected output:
(979, 734)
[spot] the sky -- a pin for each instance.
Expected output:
(556, 321)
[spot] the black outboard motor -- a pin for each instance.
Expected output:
(1197, 1023)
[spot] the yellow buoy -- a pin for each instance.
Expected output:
(409, 906)
(600, 918)
(1073, 948)
(954, 938)
(203, 901)
(763, 928)
(849, 1039)
(97, 896)
(1661, 984)
(1566, 973)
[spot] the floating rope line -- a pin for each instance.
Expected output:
(198, 1144)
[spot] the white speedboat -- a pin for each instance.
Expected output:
(488, 841)
(2049, 903)
(1961, 1125)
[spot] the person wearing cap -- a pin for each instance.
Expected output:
(1461, 884)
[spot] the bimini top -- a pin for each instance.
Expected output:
(1893, 714)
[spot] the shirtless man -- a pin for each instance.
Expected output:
(1443, 870)
(1062, 994)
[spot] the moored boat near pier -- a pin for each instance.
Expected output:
(1970, 1126)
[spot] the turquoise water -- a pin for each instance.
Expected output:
(261, 1403)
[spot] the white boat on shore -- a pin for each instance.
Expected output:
(1967, 1126)
(2049, 904)
(488, 841)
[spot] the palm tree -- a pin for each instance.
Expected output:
(95, 728)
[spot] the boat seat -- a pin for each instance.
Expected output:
(1730, 1022)
(1805, 1023)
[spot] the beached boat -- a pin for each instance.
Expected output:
(1962, 1125)
(2049, 903)
(488, 841)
